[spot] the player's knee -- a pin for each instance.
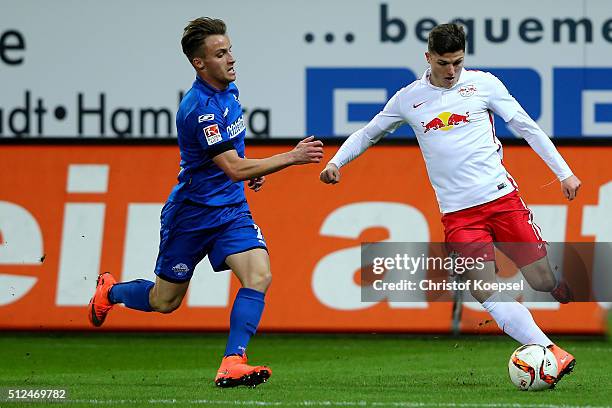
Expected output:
(259, 280)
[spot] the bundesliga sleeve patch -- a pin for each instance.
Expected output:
(213, 135)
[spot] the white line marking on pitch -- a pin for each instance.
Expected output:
(398, 404)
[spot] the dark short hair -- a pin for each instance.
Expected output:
(196, 32)
(445, 38)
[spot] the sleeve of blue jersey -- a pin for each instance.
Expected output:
(211, 130)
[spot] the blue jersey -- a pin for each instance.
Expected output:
(206, 213)
(208, 123)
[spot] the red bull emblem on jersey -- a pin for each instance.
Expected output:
(467, 90)
(446, 121)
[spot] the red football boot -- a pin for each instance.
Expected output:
(565, 361)
(235, 371)
(99, 305)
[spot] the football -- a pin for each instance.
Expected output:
(533, 368)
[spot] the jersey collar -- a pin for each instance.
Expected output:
(209, 88)
(425, 80)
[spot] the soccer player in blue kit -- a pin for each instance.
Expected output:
(207, 212)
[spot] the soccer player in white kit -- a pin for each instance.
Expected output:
(451, 110)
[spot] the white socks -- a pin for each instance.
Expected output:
(515, 320)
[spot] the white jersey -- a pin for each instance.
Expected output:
(455, 131)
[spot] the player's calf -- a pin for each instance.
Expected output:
(165, 307)
(486, 275)
(544, 284)
(165, 297)
(539, 276)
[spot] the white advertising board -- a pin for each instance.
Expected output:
(115, 68)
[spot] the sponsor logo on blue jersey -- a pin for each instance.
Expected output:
(236, 128)
(206, 118)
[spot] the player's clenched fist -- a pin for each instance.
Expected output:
(330, 174)
(570, 187)
(307, 151)
(256, 183)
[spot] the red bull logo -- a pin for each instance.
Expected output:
(433, 124)
(446, 121)
(455, 118)
(467, 90)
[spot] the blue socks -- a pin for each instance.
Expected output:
(244, 319)
(134, 294)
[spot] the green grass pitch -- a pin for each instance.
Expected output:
(172, 370)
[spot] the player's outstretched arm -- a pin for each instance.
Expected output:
(353, 147)
(523, 126)
(385, 122)
(237, 168)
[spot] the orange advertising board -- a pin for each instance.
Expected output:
(67, 213)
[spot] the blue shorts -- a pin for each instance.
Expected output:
(190, 231)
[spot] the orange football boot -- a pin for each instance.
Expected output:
(235, 371)
(565, 361)
(99, 305)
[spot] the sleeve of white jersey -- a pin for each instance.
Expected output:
(500, 100)
(385, 122)
(522, 125)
